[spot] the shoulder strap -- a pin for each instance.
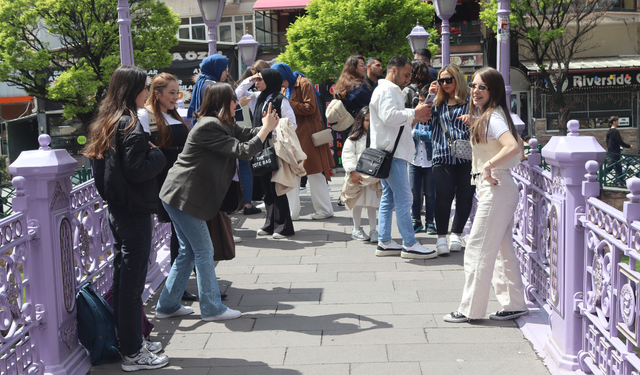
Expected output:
(395, 146)
(444, 129)
(152, 117)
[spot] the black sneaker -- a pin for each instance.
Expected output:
(251, 210)
(431, 229)
(456, 317)
(508, 315)
(417, 226)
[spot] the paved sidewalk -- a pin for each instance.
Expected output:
(321, 303)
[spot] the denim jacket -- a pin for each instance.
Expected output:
(422, 133)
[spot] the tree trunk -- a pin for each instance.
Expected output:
(563, 118)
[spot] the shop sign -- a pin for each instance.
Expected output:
(467, 59)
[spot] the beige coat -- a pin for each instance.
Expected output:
(350, 154)
(290, 158)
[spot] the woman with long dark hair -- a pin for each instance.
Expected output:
(451, 173)
(490, 257)
(269, 83)
(351, 87)
(193, 193)
(125, 165)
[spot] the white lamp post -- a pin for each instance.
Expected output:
(418, 38)
(248, 48)
(211, 11)
(444, 10)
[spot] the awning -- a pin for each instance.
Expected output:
(594, 63)
(280, 4)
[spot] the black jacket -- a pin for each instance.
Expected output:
(614, 141)
(126, 176)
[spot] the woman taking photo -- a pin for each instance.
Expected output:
(451, 173)
(303, 98)
(490, 257)
(269, 83)
(125, 165)
(193, 193)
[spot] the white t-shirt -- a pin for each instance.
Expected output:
(143, 116)
(497, 127)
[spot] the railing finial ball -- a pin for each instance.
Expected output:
(633, 184)
(533, 143)
(18, 182)
(44, 140)
(573, 126)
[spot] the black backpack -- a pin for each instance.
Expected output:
(96, 329)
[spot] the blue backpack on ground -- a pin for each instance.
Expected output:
(96, 329)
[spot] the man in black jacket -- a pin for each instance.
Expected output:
(614, 141)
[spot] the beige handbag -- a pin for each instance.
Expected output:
(337, 116)
(322, 137)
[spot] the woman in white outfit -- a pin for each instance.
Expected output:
(490, 257)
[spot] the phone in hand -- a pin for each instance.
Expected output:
(429, 98)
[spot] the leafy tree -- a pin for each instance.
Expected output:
(79, 38)
(551, 33)
(332, 30)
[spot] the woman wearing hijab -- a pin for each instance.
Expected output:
(212, 69)
(269, 82)
(303, 98)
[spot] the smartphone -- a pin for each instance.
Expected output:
(429, 98)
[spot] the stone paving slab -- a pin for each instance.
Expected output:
(320, 303)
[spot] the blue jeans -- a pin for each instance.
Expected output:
(195, 246)
(244, 172)
(396, 194)
(422, 181)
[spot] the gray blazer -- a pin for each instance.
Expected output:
(200, 178)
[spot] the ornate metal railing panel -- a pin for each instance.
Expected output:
(92, 238)
(537, 233)
(19, 352)
(610, 292)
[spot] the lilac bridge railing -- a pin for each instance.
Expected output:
(57, 240)
(579, 259)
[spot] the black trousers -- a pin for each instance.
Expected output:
(131, 246)
(453, 180)
(278, 212)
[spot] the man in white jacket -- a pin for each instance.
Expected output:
(388, 117)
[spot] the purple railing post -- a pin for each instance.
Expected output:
(567, 156)
(51, 262)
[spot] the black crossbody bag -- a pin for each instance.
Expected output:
(377, 163)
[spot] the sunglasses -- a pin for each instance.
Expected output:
(447, 80)
(234, 98)
(480, 87)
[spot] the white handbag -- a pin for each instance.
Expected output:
(322, 137)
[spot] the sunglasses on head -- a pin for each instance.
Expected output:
(480, 87)
(447, 80)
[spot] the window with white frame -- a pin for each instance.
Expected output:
(231, 29)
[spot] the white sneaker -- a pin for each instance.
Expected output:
(144, 360)
(317, 216)
(262, 206)
(153, 346)
(417, 251)
(278, 236)
(373, 236)
(442, 246)
(359, 234)
(237, 239)
(183, 310)
(227, 315)
(261, 232)
(388, 248)
(303, 189)
(455, 242)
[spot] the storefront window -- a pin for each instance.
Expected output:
(593, 110)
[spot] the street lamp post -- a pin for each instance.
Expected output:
(126, 44)
(444, 10)
(418, 38)
(503, 56)
(211, 13)
(248, 48)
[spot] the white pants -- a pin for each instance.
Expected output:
(319, 196)
(489, 257)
